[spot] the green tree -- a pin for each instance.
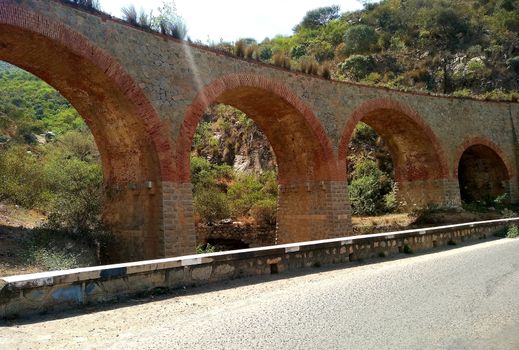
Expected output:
(319, 17)
(360, 39)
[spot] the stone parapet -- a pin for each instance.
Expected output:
(60, 290)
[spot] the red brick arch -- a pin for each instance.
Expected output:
(32, 31)
(387, 116)
(258, 97)
(475, 141)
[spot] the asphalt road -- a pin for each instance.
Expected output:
(463, 298)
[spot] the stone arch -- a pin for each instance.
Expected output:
(418, 158)
(482, 170)
(304, 154)
(135, 151)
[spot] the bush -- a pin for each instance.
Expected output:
(371, 191)
(77, 196)
(512, 232)
(356, 67)
(264, 211)
(211, 204)
(205, 248)
(265, 53)
(360, 39)
(365, 195)
(243, 194)
(22, 179)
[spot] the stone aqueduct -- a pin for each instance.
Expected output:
(143, 94)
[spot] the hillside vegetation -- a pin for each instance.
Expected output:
(462, 47)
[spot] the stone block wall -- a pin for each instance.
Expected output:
(21, 296)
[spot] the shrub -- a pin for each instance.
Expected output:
(265, 53)
(513, 231)
(77, 197)
(356, 67)
(251, 52)
(243, 194)
(298, 51)
(264, 211)
(476, 69)
(368, 190)
(205, 248)
(360, 39)
(130, 14)
(22, 179)
(239, 48)
(309, 66)
(88, 4)
(364, 195)
(211, 204)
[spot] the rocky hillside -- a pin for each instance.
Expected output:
(227, 136)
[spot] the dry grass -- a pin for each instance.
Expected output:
(280, 59)
(240, 47)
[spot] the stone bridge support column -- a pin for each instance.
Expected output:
(133, 213)
(149, 220)
(313, 210)
(443, 193)
(178, 221)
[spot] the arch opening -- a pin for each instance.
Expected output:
(234, 178)
(307, 170)
(133, 152)
(370, 173)
(420, 170)
(483, 176)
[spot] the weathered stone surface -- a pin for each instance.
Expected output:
(143, 94)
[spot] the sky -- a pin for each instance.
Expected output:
(212, 20)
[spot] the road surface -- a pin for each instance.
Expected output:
(463, 298)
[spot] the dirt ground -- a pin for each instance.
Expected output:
(15, 224)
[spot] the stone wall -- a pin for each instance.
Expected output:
(236, 236)
(21, 296)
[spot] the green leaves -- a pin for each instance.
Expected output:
(360, 39)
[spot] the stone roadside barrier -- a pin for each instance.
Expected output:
(25, 295)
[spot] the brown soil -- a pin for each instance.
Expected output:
(405, 221)
(15, 225)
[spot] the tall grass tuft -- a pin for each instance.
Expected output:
(309, 66)
(87, 4)
(251, 52)
(326, 71)
(240, 48)
(179, 30)
(130, 14)
(280, 59)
